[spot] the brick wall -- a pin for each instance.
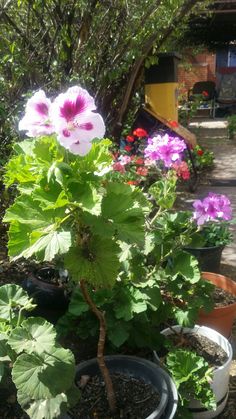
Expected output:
(200, 67)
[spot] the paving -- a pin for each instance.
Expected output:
(213, 135)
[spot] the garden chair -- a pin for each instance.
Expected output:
(207, 90)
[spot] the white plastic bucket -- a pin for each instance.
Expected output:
(220, 382)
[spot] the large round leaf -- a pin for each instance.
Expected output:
(34, 335)
(11, 297)
(43, 409)
(44, 376)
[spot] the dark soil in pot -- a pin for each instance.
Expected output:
(222, 298)
(135, 399)
(209, 350)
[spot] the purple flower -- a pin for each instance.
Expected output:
(37, 116)
(76, 123)
(214, 207)
(166, 148)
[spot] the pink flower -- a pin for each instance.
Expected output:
(182, 170)
(166, 148)
(37, 116)
(76, 125)
(212, 208)
(125, 159)
(118, 167)
(142, 171)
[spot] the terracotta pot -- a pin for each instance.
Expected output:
(220, 318)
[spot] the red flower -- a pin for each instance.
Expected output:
(140, 132)
(205, 93)
(142, 171)
(132, 182)
(130, 138)
(139, 161)
(128, 148)
(173, 124)
(200, 152)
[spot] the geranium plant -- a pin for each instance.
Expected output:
(65, 203)
(42, 371)
(212, 215)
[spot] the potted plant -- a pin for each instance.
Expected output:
(68, 204)
(42, 371)
(191, 352)
(48, 285)
(222, 316)
(232, 126)
(211, 215)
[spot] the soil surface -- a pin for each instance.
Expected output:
(209, 350)
(223, 298)
(135, 399)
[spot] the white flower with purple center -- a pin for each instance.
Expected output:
(36, 120)
(214, 207)
(165, 148)
(76, 124)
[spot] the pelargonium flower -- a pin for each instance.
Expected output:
(76, 123)
(214, 207)
(36, 120)
(140, 132)
(166, 148)
(182, 170)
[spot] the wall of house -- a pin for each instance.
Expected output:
(200, 67)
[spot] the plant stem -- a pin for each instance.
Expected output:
(101, 343)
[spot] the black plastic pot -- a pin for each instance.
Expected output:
(51, 299)
(209, 258)
(139, 368)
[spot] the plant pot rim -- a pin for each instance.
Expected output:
(221, 246)
(167, 382)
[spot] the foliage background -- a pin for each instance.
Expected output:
(102, 45)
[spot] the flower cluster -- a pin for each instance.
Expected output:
(182, 170)
(214, 207)
(71, 116)
(166, 148)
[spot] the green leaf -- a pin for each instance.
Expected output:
(77, 304)
(52, 244)
(121, 207)
(12, 298)
(1, 371)
(45, 408)
(34, 335)
(44, 376)
(187, 266)
(96, 263)
(183, 364)
(119, 333)
(27, 212)
(85, 195)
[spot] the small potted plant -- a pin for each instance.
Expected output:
(199, 360)
(211, 215)
(68, 205)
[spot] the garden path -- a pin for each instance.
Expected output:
(222, 179)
